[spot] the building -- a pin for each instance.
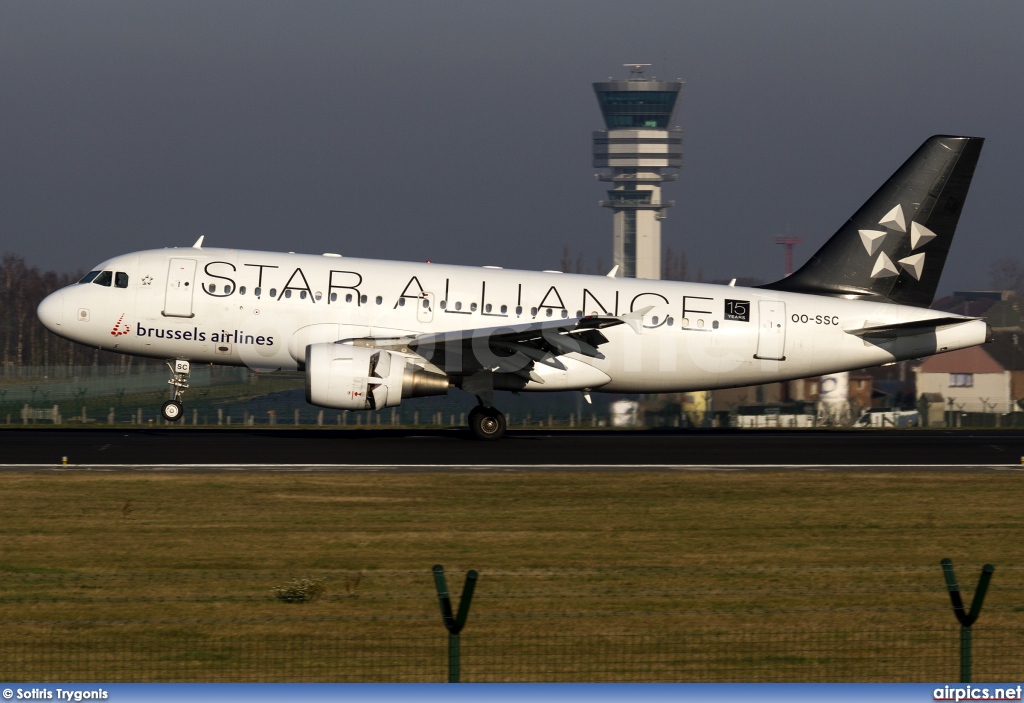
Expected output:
(988, 378)
(636, 147)
(1006, 315)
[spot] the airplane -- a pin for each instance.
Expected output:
(369, 333)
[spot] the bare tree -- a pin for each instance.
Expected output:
(1007, 274)
(674, 265)
(566, 265)
(23, 339)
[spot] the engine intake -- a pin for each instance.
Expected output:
(362, 378)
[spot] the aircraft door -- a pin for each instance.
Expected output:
(181, 275)
(771, 333)
(425, 308)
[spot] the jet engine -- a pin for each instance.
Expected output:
(362, 378)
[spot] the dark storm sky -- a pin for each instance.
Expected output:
(460, 131)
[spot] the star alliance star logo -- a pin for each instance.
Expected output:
(146, 280)
(893, 221)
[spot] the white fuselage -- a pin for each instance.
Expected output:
(262, 309)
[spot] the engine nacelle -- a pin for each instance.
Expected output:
(361, 378)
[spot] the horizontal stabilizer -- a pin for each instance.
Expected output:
(905, 329)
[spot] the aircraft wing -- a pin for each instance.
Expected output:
(510, 349)
(579, 335)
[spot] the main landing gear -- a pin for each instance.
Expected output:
(487, 422)
(173, 409)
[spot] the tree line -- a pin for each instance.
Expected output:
(23, 339)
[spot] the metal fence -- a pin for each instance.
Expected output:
(788, 656)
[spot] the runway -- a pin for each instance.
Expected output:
(293, 450)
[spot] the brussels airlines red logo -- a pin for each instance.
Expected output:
(120, 329)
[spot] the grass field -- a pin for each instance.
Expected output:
(110, 557)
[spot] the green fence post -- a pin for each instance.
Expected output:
(966, 619)
(454, 623)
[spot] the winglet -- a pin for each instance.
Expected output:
(199, 242)
(636, 318)
(615, 270)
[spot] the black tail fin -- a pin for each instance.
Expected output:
(895, 246)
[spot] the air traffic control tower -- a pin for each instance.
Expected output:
(637, 146)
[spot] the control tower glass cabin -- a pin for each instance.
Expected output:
(636, 147)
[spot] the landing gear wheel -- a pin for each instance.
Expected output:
(171, 411)
(487, 423)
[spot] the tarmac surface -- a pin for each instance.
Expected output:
(281, 449)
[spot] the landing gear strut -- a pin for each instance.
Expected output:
(487, 422)
(172, 409)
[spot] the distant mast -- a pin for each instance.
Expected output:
(636, 147)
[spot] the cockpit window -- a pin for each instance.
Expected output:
(121, 279)
(89, 276)
(104, 278)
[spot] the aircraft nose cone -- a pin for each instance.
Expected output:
(51, 311)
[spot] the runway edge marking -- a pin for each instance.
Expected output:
(308, 467)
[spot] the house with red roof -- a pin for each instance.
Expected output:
(988, 378)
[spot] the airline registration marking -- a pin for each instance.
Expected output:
(816, 319)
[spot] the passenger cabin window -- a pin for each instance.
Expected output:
(104, 279)
(121, 279)
(241, 290)
(89, 276)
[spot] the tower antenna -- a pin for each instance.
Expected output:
(636, 70)
(789, 243)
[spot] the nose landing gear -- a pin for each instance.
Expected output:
(486, 422)
(173, 409)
